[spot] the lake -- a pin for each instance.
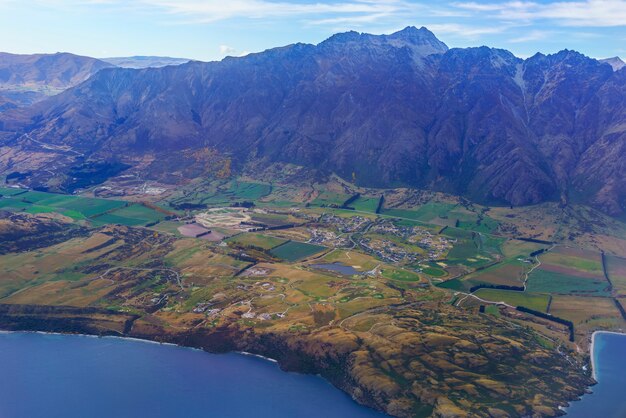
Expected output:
(607, 399)
(49, 375)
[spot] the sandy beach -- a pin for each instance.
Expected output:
(593, 341)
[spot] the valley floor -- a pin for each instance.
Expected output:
(415, 304)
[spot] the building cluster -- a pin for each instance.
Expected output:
(388, 251)
(328, 238)
(435, 246)
(345, 225)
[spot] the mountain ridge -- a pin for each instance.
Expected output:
(478, 122)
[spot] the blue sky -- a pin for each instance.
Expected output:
(211, 29)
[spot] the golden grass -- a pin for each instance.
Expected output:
(582, 310)
(61, 293)
(361, 262)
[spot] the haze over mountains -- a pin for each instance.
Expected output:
(395, 110)
(144, 61)
(27, 79)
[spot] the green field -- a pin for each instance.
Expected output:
(490, 243)
(492, 310)
(90, 206)
(256, 240)
(401, 275)
(454, 284)
(329, 198)
(366, 204)
(34, 209)
(87, 206)
(530, 300)
(73, 214)
(487, 225)
(236, 191)
(434, 271)
(10, 191)
(583, 261)
(425, 213)
(617, 273)
(463, 250)
(13, 204)
(249, 191)
(271, 219)
(458, 233)
(222, 194)
(102, 211)
(141, 212)
(56, 200)
(131, 215)
(36, 197)
(294, 251)
(110, 218)
(471, 221)
(543, 281)
(510, 272)
(169, 227)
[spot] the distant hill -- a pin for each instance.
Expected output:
(615, 62)
(26, 79)
(392, 110)
(145, 62)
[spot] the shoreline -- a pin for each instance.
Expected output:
(269, 362)
(591, 350)
(290, 361)
(593, 365)
(143, 340)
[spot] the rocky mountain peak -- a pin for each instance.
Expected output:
(421, 42)
(343, 38)
(616, 62)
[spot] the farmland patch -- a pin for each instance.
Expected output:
(544, 281)
(530, 300)
(294, 251)
(256, 240)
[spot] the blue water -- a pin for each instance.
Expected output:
(51, 376)
(608, 399)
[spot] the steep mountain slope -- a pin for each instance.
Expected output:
(399, 109)
(26, 79)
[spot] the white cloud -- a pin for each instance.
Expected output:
(356, 20)
(208, 11)
(593, 13)
(229, 51)
(534, 35)
(216, 10)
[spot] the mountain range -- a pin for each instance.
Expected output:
(389, 111)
